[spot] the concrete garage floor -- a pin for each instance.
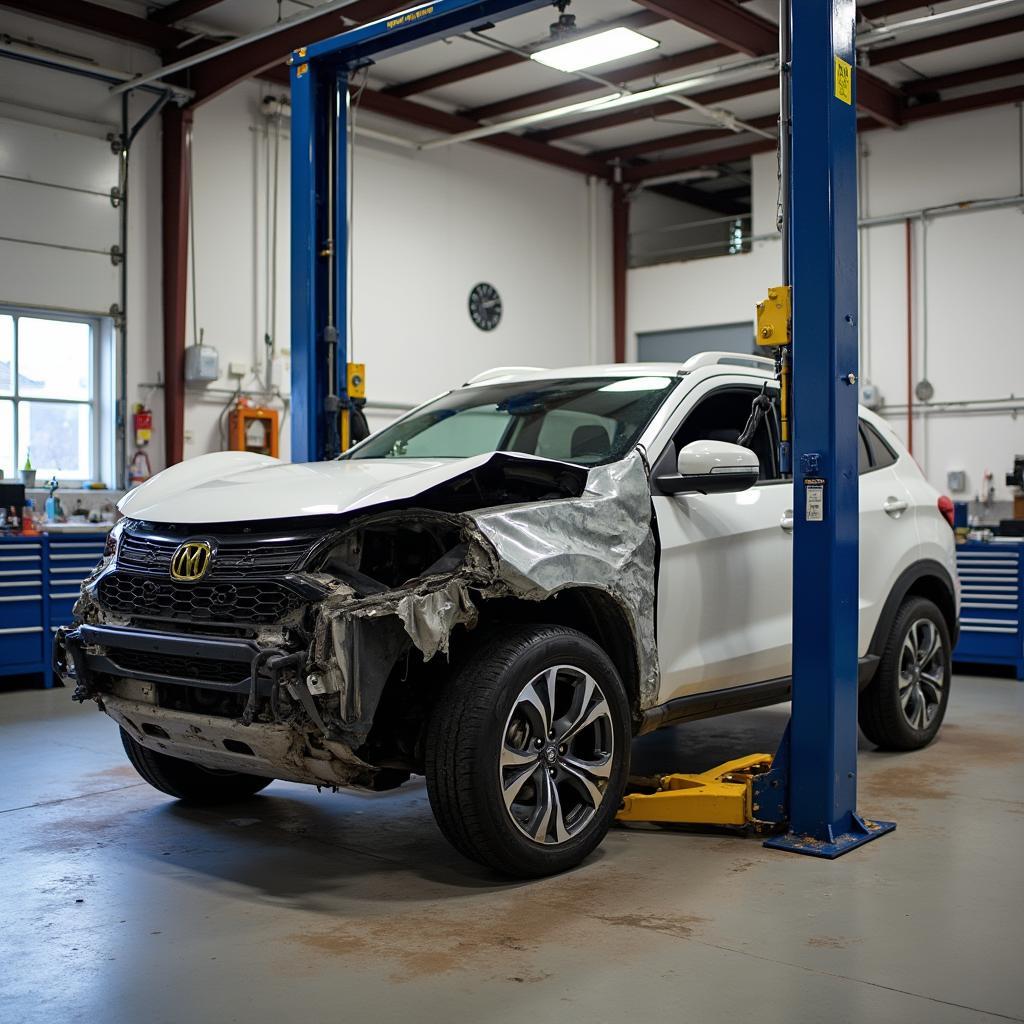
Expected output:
(119, 906)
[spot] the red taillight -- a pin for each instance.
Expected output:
(946, 509)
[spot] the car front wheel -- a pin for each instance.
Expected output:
(528, 751)
(903, 706)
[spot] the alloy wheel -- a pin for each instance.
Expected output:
(557, 754)
(922, 674)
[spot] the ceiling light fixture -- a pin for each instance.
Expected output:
(593, 50)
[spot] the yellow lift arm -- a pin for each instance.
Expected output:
(721, 796)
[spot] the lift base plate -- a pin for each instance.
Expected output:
(862, 831)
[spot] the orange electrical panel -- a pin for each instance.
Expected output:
(253, 430)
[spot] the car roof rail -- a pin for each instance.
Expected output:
(503, 371)
(727, 359)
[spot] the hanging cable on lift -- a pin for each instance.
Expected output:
(775, 313)
(352, 422)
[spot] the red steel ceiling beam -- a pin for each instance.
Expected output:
(179, 10)
(883, 8)
(961, 104)
(496, 63)
(691, 138)
(635, 175)
(945, 41)
(439, 120)
(644, 69)
(105, 20)
(749, 33)
(969, 77)
(630, 114)
(739, 29)
(942, 108)
(439, 79)
(213, 77)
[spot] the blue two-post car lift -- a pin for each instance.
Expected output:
(810, 786)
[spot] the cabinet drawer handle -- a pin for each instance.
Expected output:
(20, 597)
(21, 629)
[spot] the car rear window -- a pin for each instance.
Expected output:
(881, 454)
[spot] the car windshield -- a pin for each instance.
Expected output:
(586, 420)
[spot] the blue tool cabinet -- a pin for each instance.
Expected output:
(39, 582)
(992, 603)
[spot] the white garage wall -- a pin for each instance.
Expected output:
(427, 227)
(53, 127)
(966, 332)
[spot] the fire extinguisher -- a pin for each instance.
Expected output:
(142, 421)
(139, 469)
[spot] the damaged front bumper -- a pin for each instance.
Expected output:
(292, 750)
(296, 699)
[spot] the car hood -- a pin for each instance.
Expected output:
(226, 487)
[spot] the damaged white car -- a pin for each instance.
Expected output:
(498, 591)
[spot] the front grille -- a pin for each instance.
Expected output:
(208, 670)
(256, 601)
(234, 557)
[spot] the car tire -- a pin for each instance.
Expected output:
(903, 706)
(506, 794)
(190, 783)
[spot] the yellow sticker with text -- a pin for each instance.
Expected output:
(844, 81)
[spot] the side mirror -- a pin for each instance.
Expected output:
(712, 467)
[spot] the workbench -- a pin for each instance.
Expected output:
(40, 577)
(992, 598)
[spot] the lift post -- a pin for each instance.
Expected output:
(810, 786)
(322, 381)
(822, 734)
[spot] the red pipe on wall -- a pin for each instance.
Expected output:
(909, 228)
(620, 259)
(176, 124)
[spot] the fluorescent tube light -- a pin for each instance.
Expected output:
(590, 51)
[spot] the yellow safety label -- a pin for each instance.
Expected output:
(844, 81)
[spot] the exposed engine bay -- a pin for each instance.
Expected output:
(312, 649)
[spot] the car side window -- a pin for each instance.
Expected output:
(722, 415)
(863, 457)
(881, 454)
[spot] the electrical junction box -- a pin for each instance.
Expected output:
(202, 364)
(281, 373)
(956, 481)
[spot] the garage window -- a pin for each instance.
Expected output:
(50, 369)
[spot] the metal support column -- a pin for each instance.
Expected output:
(320, 75)
(822, 735)
(317, 181)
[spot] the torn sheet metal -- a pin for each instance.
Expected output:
(430, 618)
(602, 539)
(531, 550)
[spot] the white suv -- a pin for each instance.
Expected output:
(498, 591)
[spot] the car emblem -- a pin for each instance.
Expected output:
(191, 560)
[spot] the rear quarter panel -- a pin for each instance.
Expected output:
(935, 539)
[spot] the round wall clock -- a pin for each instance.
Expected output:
(485, 306)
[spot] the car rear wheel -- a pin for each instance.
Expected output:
(190, 782)
(903, 706)
(528, 751)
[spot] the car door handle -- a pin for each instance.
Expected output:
(894, 506)
(786, 522)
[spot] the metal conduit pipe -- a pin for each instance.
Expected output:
(909, 237)
(15, 50)
(932, 212)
